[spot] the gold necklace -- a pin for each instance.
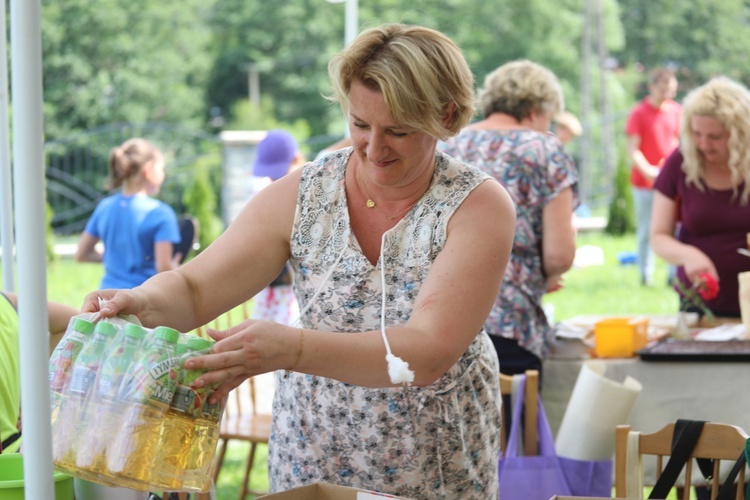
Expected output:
(370, 203)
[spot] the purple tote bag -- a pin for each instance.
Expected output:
(542, 476)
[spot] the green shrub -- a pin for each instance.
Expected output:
(201, 202)
(621, 217)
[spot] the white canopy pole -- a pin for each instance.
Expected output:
(28, 161)
(6, 190)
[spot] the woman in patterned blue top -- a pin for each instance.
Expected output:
(397, 254)
(512, 144)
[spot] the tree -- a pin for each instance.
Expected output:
(289, 43)
(118, 60)
(700, 38)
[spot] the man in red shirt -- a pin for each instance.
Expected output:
(652, 130)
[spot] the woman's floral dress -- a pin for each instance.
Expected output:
(440, 441)
(534, 169)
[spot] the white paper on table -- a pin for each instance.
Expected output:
(596, 406)
(722, 332)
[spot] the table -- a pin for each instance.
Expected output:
(711, 391)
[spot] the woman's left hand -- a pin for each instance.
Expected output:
(554, 283)
(242, 351)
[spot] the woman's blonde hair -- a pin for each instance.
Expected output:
(728, 102)
(423, 76)
(520, 87)
(126, 160)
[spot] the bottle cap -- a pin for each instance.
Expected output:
(198, 344)
(134, 331)
(83, 326)
(105, 328)
(167, 334)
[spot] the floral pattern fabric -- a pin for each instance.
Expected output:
(440, 441)
(534, 169)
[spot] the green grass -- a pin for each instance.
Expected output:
(610, 288)
(230, 478)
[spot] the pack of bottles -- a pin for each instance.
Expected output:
(123, 410)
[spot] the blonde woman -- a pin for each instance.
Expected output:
(703, 192)
(397, 250)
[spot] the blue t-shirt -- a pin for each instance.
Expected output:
(129, 227)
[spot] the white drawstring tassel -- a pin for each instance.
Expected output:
(398, 369)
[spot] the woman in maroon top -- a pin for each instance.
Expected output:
(701, 212)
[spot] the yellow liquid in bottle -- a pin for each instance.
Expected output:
(200, 466)
(64, 434)
(132, 455)
(178, 433)
(93, 456)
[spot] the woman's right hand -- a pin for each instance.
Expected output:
(696, 263)
(111, 302)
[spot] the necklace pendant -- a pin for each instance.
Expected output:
(370, 203)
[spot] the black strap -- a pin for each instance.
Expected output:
(10, 440)
(686, 434)
(726, 490)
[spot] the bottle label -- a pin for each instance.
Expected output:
(186, 401)
(61, 361)
(154, 381)
(83, 379)
(161, 368)
(113, 371)
(212, 412)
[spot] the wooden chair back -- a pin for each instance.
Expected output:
(717, 442)
(242, 421)
(531, 394)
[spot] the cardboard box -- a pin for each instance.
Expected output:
(325, 491)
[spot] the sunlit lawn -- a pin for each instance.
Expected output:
(230, 478)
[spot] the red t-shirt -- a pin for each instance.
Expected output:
(659, 130)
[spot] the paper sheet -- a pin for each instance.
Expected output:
(722, 332)
(596, 406)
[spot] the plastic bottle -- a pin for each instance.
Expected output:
(178, 431)
(107, 394)
(148, 390)
(61, 361)
(200, 469)
(72, 423)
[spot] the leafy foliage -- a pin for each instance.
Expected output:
(621, 219)
(200, 201)
(700, 38)
(121, 61)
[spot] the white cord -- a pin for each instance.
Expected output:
(398, 369)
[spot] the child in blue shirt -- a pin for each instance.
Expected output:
(138, 231)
